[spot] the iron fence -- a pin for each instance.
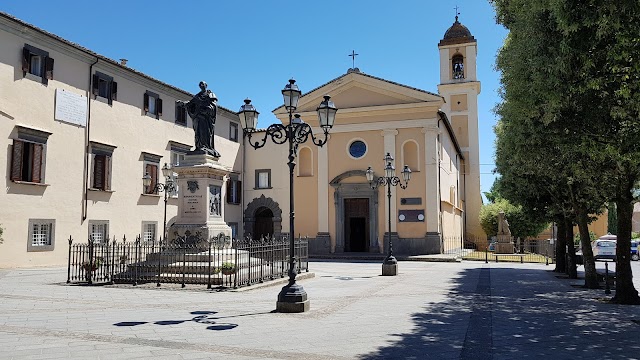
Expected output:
(471, 248)
(218, 261)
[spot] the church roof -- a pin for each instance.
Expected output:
(356, 70)
(457, 34)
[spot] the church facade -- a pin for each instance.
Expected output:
(436, 135)
(74, 125)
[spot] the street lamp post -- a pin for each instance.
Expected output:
(167, 187)
(292, 297)
(390, 264)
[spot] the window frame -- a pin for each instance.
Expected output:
(106, 151)
(36, 158)
(257, 182)
(234, 229)
(157, 101)
(31, 247)
(46, 64)
(111, 87)
(151, 160)
(180, 150)
(234, 190)
(181, 114)
(233, 131)
(105, 234)
(143, 233)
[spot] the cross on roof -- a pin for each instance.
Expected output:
(457, 12)
(353, 57)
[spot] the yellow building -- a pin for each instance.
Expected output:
(436, 135)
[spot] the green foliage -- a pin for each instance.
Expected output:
(576, 237)
(635, 235)
(521, 223)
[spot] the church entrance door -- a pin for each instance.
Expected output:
(263, 225)
(356, 224)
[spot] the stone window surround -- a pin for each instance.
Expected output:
(52, 235)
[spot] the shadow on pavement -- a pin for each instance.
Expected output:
(201, 317)
(513, 313)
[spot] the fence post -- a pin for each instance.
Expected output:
(91, 263)
(160, 247)
(184, 264)
(69, 261)
(234, 246)
(486, 254)
(209, 271)
(113, 258)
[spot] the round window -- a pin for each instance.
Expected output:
(357, 149)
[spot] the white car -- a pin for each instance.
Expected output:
(604, 249)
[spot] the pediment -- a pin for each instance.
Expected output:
(357, 90)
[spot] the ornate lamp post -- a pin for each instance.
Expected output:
(390, 264)
(292, 297)
(167, 187)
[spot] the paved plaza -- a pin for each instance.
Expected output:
(467, 310)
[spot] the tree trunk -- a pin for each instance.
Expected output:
(572, 271)
(590, 275)
(561, 250)
(626, 293)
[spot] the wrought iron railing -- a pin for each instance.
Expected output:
(216, 262)
(528, 250)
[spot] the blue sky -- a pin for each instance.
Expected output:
(251, 48)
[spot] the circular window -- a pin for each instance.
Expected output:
(357, 149)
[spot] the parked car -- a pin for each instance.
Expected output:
(604, 249)
(634, 250)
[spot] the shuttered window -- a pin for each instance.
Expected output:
(234, 191)
(26, 161)
(181, 114)
(37, 62)
(152, 170)
(104, 86)
(101, 160)
(152, 104)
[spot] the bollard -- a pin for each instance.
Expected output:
(607, 288)
(546, 256)
(69, 261)
(486, 255)
(521, 258)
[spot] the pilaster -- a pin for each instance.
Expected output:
(390, 147)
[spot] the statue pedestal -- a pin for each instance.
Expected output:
(504, 245)
(201, 194)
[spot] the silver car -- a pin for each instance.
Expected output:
(604, 249)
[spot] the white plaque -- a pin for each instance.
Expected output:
(71, 108)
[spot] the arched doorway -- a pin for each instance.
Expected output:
(263, 225)
(258, 213)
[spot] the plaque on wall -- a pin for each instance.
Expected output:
(411, 201)
(70, 108)
(411, 215)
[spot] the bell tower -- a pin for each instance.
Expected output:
(459, 86)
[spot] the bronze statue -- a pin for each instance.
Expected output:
(203, 109)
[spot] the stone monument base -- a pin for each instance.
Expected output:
(504, 245)
(195, 233)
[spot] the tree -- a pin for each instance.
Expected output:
(520, 223)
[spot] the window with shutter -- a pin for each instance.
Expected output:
(26, 161)
(104, 86)
(101, 155)
(181, 114)
(152, 104)
(37, 62)
(152, 170)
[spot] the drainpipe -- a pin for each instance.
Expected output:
(85, 181)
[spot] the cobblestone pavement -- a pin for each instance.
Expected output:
(468, 310)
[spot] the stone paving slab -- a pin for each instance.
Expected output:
(467, 310)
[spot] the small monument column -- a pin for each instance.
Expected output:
(504, 244)
(201, 178)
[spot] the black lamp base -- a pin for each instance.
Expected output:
(292, 299)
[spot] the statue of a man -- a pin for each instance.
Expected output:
(203, 109)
